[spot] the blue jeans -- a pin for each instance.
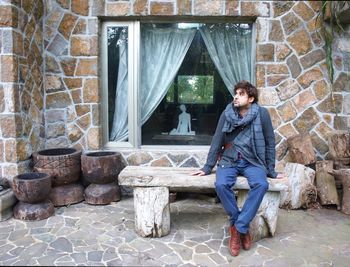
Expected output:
(225, 180)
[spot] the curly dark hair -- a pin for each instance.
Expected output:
(248, 88)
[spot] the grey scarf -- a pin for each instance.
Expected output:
(252, 135)
(233, 119)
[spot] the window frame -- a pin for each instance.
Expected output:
(134, 134)
(134, 110)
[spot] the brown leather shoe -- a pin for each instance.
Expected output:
(234, 244)
(246, 240)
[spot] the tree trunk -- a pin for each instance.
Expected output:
(301, 191)
(325, 183)
(339, 144)
(341, 163)
(265, 222)
(301, 149)
(344, 176)
(152, 211)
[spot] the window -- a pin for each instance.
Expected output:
(168, 83)
(192, 89)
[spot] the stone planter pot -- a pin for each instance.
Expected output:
(63, 164)
(101, 167)
(32, 187)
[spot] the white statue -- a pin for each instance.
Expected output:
(184, 124)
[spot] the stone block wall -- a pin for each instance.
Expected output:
(291, 72)
(290, 66)
(21, 84)
(71, 75)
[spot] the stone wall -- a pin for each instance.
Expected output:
(341, 50)
(290, 72)
(21, 84)
(71, 84)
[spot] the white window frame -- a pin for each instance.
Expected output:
(134, 134)
(134, 114)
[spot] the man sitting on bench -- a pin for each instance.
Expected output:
(243, 143)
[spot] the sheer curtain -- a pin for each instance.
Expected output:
(120, 118)
(229, 46)
(162, 52)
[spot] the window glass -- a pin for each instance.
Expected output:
(192, 105)
(193, 89)
(181, 75)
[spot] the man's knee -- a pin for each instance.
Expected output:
(222, 185)
(263, 185)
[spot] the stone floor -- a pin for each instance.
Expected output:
(87, 235)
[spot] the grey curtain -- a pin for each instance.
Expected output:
(229, 47)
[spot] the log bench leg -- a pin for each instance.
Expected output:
(265, 222)
(7, 201)
(152, 211)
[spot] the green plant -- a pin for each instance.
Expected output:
(329, 13)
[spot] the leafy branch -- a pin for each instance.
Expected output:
(330, 11)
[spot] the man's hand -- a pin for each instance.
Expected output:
(281, 175)
(198, 173)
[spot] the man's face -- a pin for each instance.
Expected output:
(241, 99)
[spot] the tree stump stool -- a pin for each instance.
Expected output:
(101, 169)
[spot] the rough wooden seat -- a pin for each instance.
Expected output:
(180, 179)
(151, 197)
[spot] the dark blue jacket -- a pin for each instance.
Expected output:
(227, 157)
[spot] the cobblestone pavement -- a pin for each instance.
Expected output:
(82, 234)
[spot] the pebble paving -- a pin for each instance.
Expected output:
(87, 235)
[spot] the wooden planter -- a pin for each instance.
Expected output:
(63, 164)
(67, 194)
(33, 212)
(32, 187)
(101, 167)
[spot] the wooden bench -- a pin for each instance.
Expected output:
(151, 197)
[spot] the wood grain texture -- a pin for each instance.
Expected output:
(180, 179)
